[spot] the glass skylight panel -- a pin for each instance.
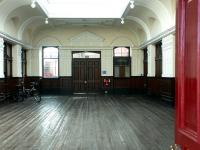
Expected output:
(84, 8)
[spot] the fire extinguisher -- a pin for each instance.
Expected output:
(106, 83)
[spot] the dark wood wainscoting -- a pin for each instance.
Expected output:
(122, 85)
(138, 84)
(61, 85)
(163, 87)
(167, 89)
(8, 86)
(154, 86)
(55, 86)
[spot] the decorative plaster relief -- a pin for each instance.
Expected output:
(86, 39)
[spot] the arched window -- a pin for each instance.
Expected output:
(122, 62)
(50, 62)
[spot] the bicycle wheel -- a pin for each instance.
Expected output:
(37, 96)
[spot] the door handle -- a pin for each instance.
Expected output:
(85, 82)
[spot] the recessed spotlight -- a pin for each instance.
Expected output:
(122, 20)
(33, 4)
(46, 21)
(132, 5)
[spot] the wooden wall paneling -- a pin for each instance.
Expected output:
(153, 87)
(167, 89)
(66, 85)
(137, 84)
(122, 85)
(163, 87)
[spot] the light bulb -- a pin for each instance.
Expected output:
(132, 4)
(33, 5)
(46, 21)
(122, 20)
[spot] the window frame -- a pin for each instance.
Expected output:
(122, 57)
(50, 58)
(75, 52)
(24, 62)
(6, 59)
(145, 62)
(158, 59)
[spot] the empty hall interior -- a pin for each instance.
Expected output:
(87, 74)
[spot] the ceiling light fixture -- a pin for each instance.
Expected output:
(33, 4)
(122, 20)
(132, 5)
(46, 21)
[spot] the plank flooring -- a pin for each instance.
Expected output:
(87, 123)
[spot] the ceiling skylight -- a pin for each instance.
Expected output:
(84, 8)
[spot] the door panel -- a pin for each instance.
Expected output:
(79, 73)
(188, 75)
(93, 78)
(86, 75)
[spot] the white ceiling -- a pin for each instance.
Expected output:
(148, 19)
(84, 8)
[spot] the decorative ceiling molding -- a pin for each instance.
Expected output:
(87, 39)
(142, 23)
(14, 40)
(156, 6)
(158, 37)
(25, 24)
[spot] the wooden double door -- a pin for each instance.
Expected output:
(86, 75)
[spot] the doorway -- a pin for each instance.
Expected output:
(86, 72)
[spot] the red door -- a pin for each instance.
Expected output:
(188, 75)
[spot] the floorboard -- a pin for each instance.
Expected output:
(94, 122)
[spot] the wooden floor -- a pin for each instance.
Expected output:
(87, 123)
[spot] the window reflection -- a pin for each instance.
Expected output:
(50, 62)
(86, 55)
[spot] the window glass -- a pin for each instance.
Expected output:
(50, 62)
(51, 52)
(121, 52)
(86, 55)
(122, 62)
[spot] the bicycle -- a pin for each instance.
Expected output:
(33, 91)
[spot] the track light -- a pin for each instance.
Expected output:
(46, 21)
(132, 5)
(122, 20)
(33, 4)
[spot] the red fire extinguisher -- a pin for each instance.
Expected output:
(106, 83)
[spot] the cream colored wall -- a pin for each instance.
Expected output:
(168, 53)
(16, 64)
(151, 51)
(1, 58)
(86, 39)
(137, 63)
